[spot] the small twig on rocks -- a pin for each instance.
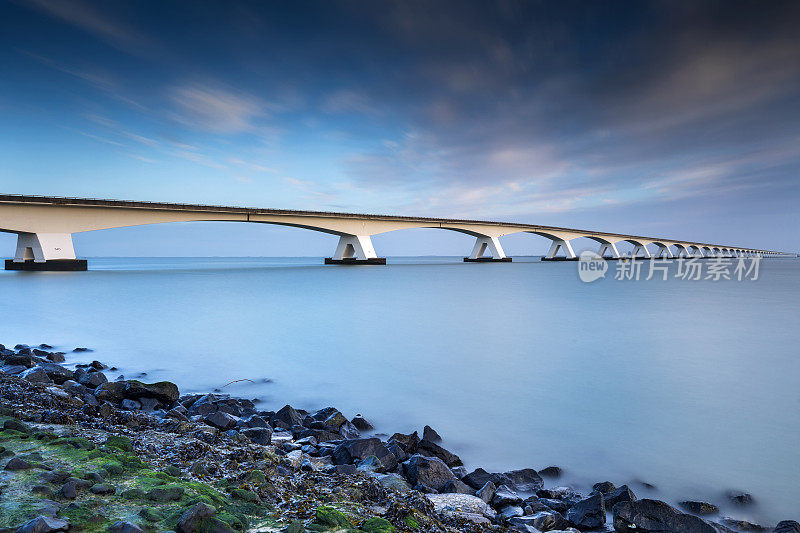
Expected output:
(236, 381)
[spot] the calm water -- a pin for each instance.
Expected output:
(689, 385)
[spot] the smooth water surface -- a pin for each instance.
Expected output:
(689, 385)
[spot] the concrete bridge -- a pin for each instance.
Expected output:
(44, 226)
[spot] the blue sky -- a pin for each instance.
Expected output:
(675, 119)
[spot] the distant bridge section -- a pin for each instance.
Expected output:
(44, 226)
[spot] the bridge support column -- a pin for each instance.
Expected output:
(484, 243)
(663, 251)
(559, 244)
(606, 247)
(355, 250)
(641, 248)
(45, 251)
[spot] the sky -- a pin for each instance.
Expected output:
(676, 119)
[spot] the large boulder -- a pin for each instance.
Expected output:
(428, 471)
(589, 513)
(460, 503)
(289, 416)
(644, 516)
(619, 494)
(431, 449)
(408, 443)
(36, 375)
(43, 524)
(350, 451)
(221, 420)
(787, 526)
(701, 508)
(57, 373)
(165, 392)
(540, 521)
(480, 477)
(259, 435)
(523, 480)
(111, 391)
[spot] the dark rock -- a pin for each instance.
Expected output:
(458, 487)
(102, 488)
(221, 420)
(525, 480)
(787, 526)
(35, 375)
(73, 486)
(255, 421)
(258, 435)
(177, 415)
(122, 526)
(16, 463)
(620, 494)
(89, 379)
(130, 405)
(742, 525)
(199, 517)
(644, 516)
(57, 373)
(16, 425)
(44, 346)
(19, 359)
(56, 477)
(165, 392)
(551, 471)
(150, 404)
(512, 511)
(350, 451)
(345, 469)
(604, 487)
(431, 449)
(289, 415)
(429, 471)
(429, 434)
(486, 493)
(44, 524)
(97, 365)
(534, 505)
(589, 513)
(398, 452)
(541, 521)
(112, 391)
(361, 423)
(479, 477)
(408, 442)
(504, 497)
(56, 357)
(738, 497)
(701, 508)
(81, 349)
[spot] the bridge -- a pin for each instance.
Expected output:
(44, 226)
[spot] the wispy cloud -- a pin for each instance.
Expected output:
(217, 110)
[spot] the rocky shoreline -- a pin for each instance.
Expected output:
(82, 453)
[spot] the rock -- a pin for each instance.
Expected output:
(165, 392)
(57, 373)
(122, 526)
(44, 524)
(149, 404)
(620, 494)
(89, 379)
(429, 434)
(429, 471)
(486, 493)
(120, 442)
(551, 472)
(111, 391)
(73, 486)
(81, 349)
(479, 477)
(457, 486)
(54, 476)
(296, 527)
(255, 421)
(16, 425)
(787, 526)
(701, 508)
(20, 359)
(377, 525)
(102, 489)
(327, 518)
(130, 405)
(289, 416)
(739, 498)
(504, 496)
(431, 449)
(741, 525)
(56, 357)
(221, 420)
(361, 423)
(35, 375)
(461, 503)
(259, 435)
(603, 487)
(191, 520)
(512, 511)
(524, 480)
(17, 463)
(589, 513)
(353, 450)
(408, 443)
(541, 521)
(165, 493)
(644, 516)
(394, 482)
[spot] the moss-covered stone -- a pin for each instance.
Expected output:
(245, 495)
(151, 515)
(173, 471)
(120, 442)
(327, 517)
(378, 525)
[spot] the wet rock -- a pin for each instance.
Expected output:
(620, 494)
(165, 392)
(259, 435)
(457, 486)
(741, 525)
(81, 349)
(504, 496)
(102, 489)
(429, 471)
(150, 404)
(89, 379)
(175, 414)
(120, 442)
(255, 421)
(123, 526)
(165, 494)
(394, 482)
(479, 477)
(644, 516)
(44, 524)
(56, 357)
(17, 463)
(361, 423)
(73, 487)
(460, 503)
(431, 449)
(112, 391)
(524, 480)
(57, 373)
(541, 521)
(486, 493)
(353, 450)
(289, 416)
(589, 513)
(787, 526)
(408, 442)
(738, 497)
(36, 375)
(551, 472)
(429, 434)
(701, 508)
(16, 425)
(603, 487)
(130, 405)
(512, 511)
(56, 477)
(19, 359)
(221, 420)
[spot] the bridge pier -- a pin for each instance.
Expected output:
(663, 250)
(606, 247)
(355, 250)
(484, 243)
(45, 251)
(559, 244)
(640, 248)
